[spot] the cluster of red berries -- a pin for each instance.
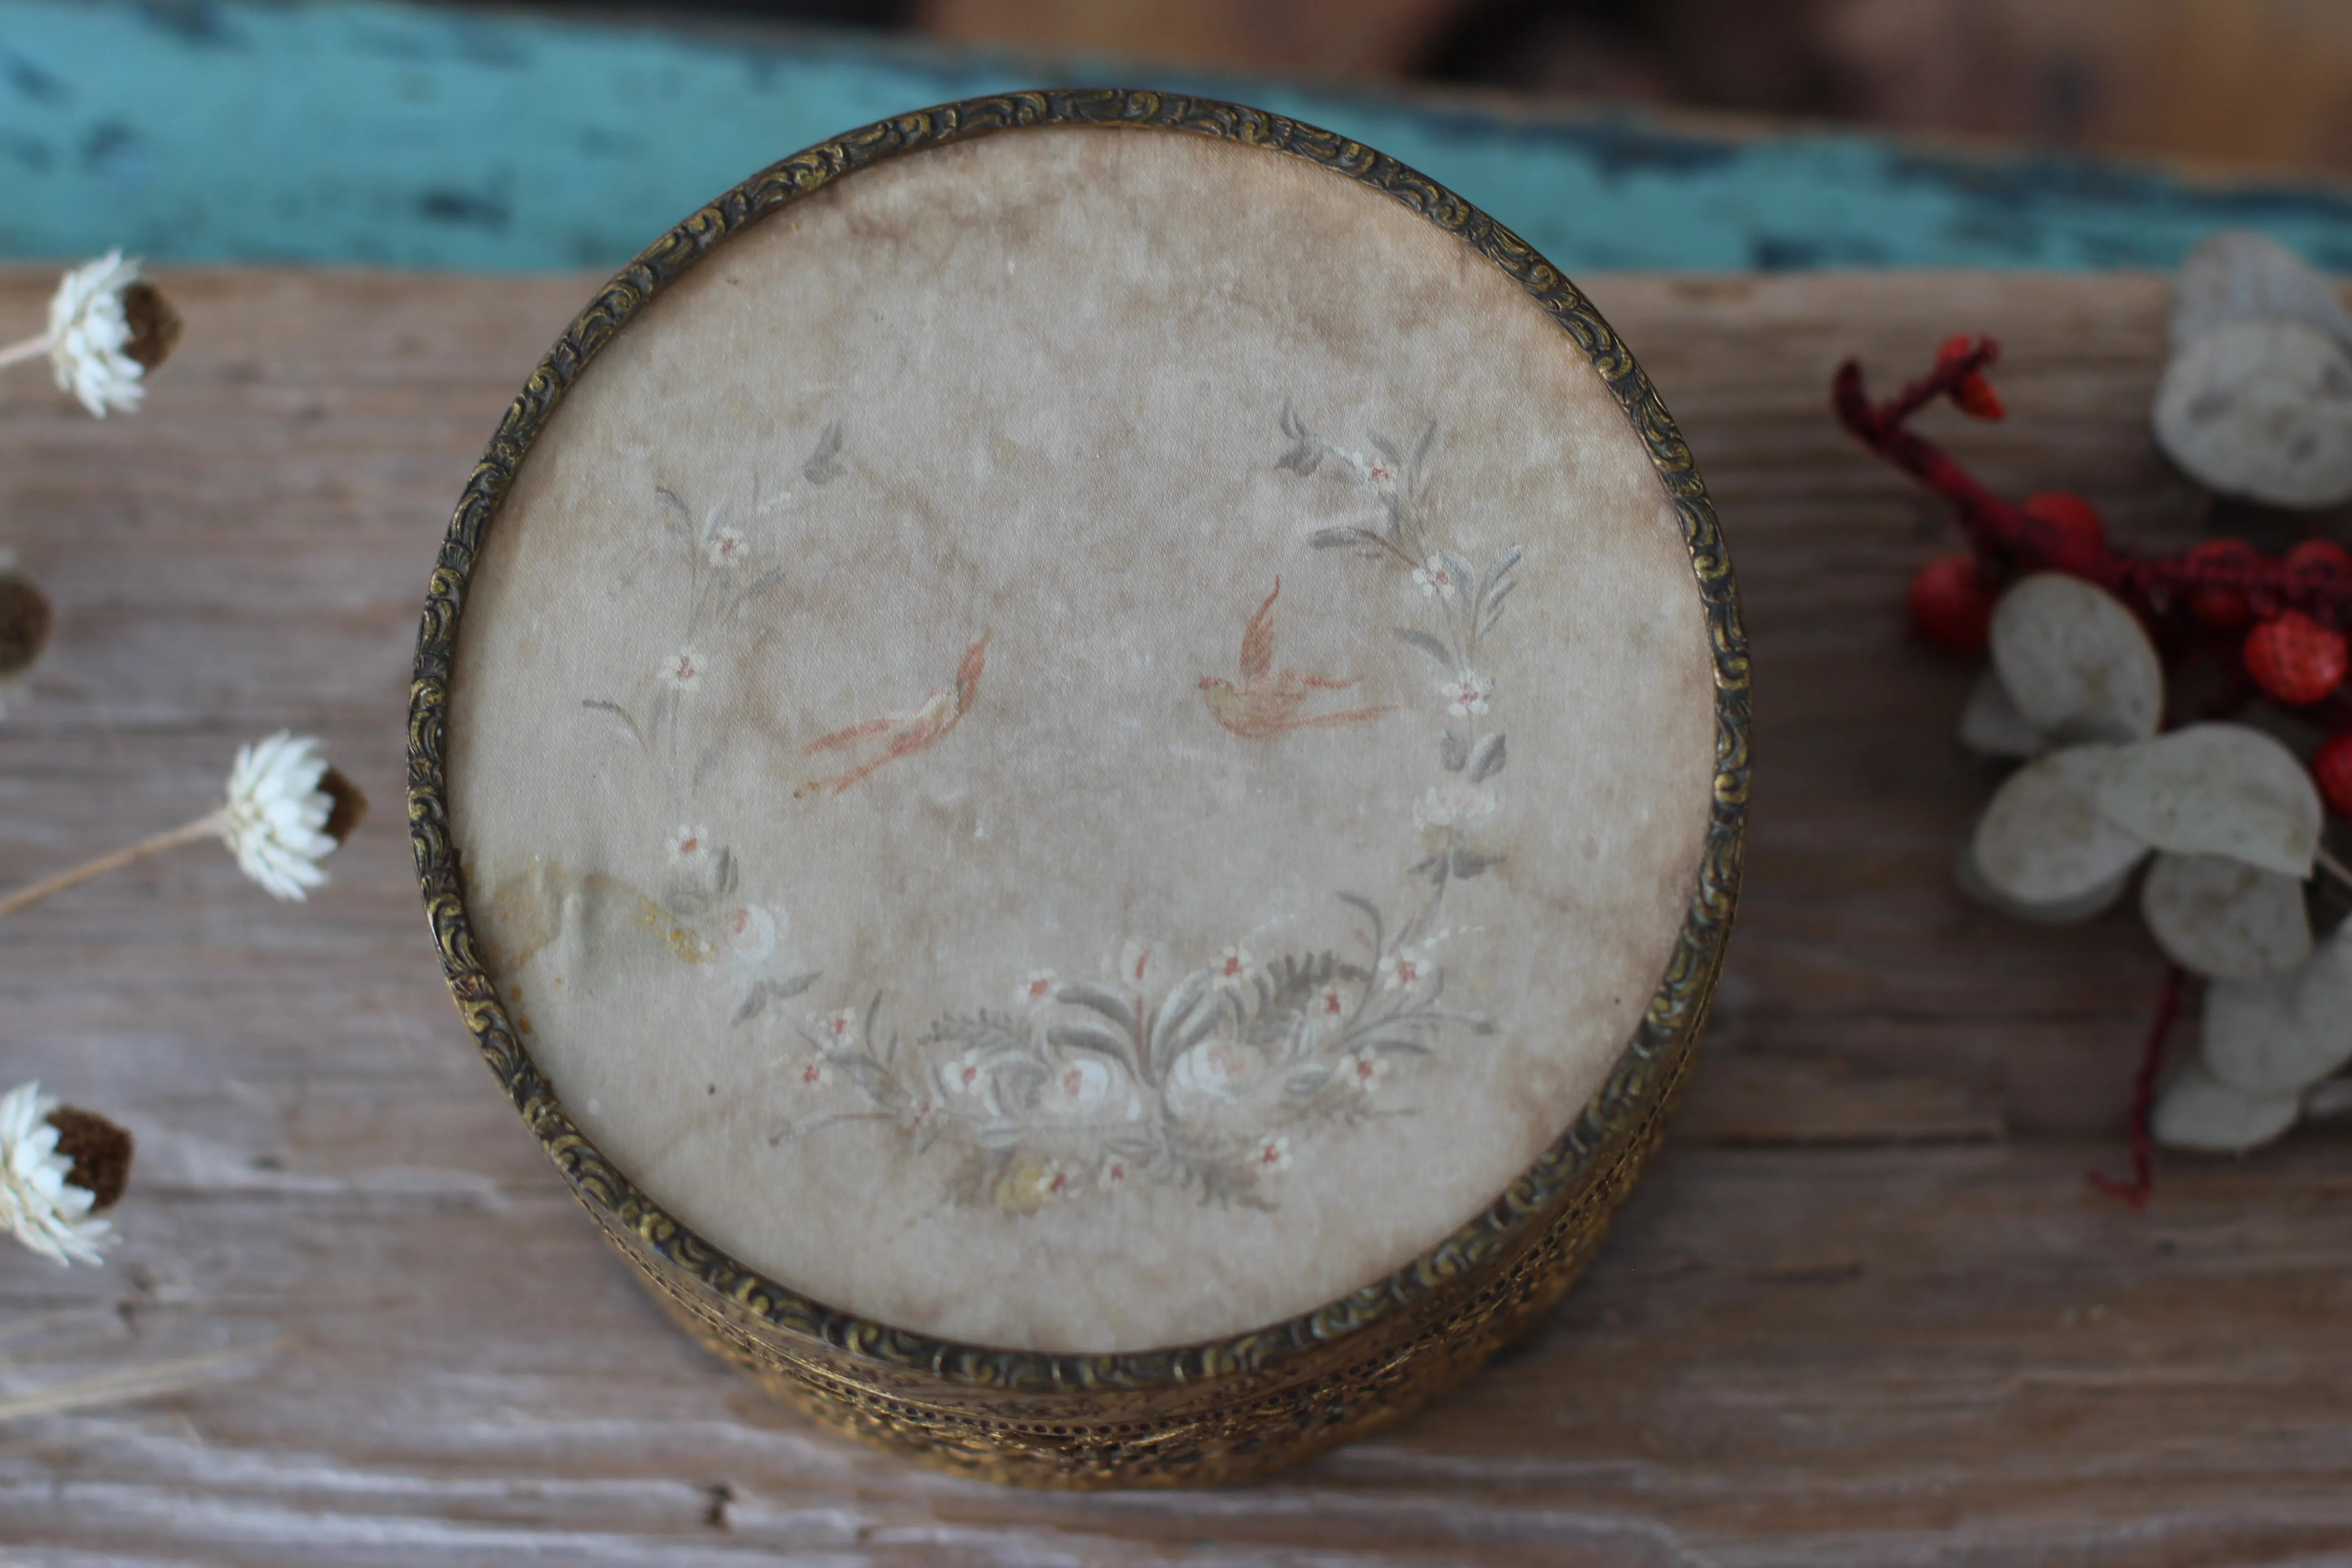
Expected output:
(2286, 615)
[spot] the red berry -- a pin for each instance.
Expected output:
(2295, 658)
(1977, 398)
(1951, 606)
(1972, 392)
(2224, 608)
(2321, 558)
(2081, 539)
(2333, 769)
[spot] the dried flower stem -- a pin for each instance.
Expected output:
(33, 347)
(148, 1379)
(212, 824)
(2333, 867)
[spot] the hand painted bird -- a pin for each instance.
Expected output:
(905, 733)
(1267, 700)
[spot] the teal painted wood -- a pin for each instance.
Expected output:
(357, 132)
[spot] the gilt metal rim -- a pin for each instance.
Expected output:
(1634, 1091)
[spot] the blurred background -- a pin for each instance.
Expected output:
(2242, 84)
(1707, 135)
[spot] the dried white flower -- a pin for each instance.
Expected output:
(108, 328)
(276, 821)
(94, 343)
(287, 811)
(37, 1205)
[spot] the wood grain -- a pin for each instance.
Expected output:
(1863, 1311)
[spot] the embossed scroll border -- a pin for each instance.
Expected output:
(1608, 1139)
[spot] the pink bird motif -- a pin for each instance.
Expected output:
(904, 734)
(1267, 700)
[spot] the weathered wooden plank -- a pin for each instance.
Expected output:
(1863, 1311)
(1754, 1098)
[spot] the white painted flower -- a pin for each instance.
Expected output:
(689, 844)
(1219, 1068)
(1379, 471)
(37, 1205)
(1466, 693)
(1114, 1174)
(723, 545)
(838, 1031)
(1403, 969)
(1434, 580)
(1078, 1087)
(1362, 1070)
(1235, 964)
(814, 1072)
(750, 932)
(683, 670)
(1273, 1155)
(277, 816)
(1456, 803)
(1328, 1006)
(1038, 989)
(967, 1075)
(90, 336)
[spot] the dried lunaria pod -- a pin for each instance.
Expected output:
(2227, 817)
(2199, 1112)
(24, 626)
(2261, 410)
(2042, 847)
(2282, 1035)
(2266, 1047)
(2074, 662)
(2218, 789)
(287, 811)
(2062, 835)
(59, 1169)
(108, 329)
(2236, 275)
(2091, 902)
(2223, 919)
(2256, 399)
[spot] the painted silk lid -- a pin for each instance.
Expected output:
(1083, 741)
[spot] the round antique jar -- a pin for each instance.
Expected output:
(1082, 758)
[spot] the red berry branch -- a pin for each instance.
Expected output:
(2278, 623)
(2286, 615)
